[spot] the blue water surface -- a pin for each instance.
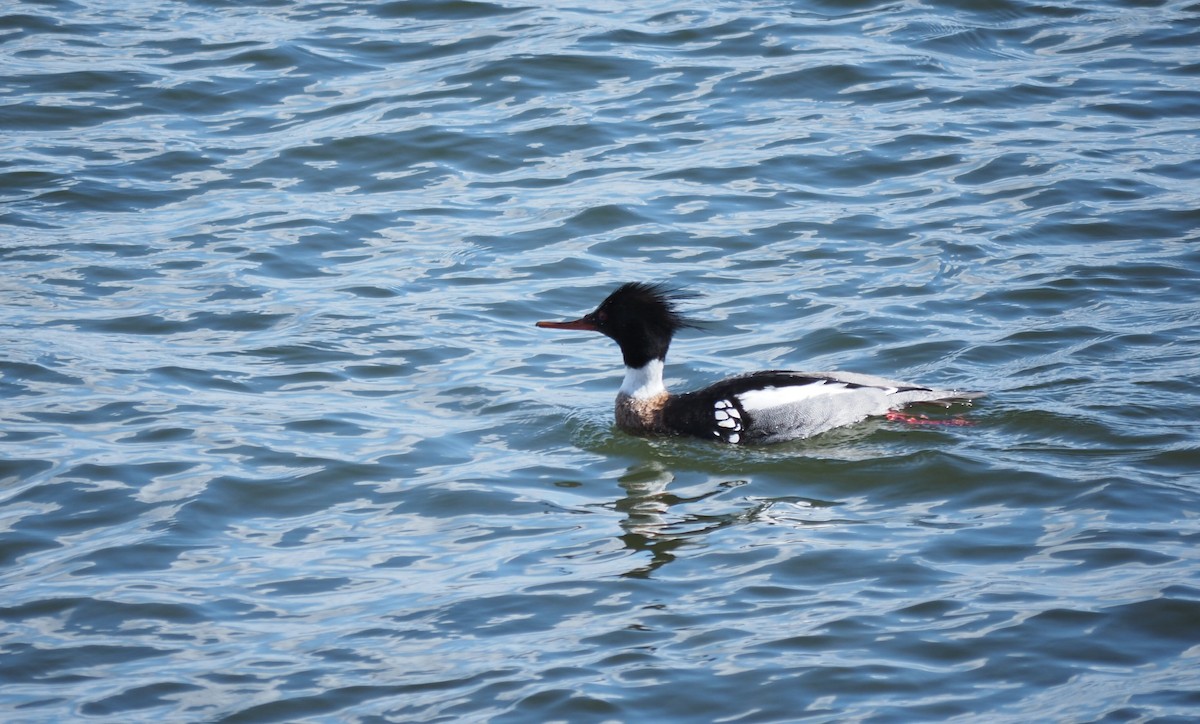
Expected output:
(280, 442)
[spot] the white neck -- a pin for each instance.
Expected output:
(644, 382)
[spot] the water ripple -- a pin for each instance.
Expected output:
(279, 440)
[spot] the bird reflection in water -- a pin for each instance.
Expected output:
(649, 527)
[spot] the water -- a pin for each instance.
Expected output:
(279, 441)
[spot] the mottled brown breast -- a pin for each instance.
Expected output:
(641, 415)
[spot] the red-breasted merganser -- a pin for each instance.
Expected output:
(755, 408)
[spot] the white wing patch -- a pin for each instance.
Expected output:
(729, 420)
(769, 397)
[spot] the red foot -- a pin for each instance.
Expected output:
(923, 420)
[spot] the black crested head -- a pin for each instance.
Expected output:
(642, 318)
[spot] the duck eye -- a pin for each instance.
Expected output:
(601, 316)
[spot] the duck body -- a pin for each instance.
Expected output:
(756, 408)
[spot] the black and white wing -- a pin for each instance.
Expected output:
(776, 405)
